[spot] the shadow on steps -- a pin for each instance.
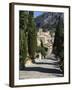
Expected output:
(43, 70)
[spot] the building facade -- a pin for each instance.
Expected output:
(47, 40)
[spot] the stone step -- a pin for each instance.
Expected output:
(48, 66)
(46, 61)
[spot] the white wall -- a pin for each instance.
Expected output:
(4, 43)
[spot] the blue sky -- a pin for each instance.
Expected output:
(37, 13)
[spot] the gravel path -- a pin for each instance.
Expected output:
(45, 68)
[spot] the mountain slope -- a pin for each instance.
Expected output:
(48, 20)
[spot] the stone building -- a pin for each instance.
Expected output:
(47, 40)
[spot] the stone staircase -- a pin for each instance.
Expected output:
(42, 68)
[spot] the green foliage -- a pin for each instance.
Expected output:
(59, 42)
(42, 44)
(46, 49)
(23, 45)
(41, 49)
(23, 20)
(38, 49)
(43, 52)
(32, 37)
(27, 35)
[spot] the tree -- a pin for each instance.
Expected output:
(43, 51)
(59, 43)
(28, 36)
(58, 38)
(23, 20)
(32, 36)
(23, 45)
(23, 48)
(42, 44)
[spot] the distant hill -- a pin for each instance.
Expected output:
(48, 20)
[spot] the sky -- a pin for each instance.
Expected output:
(37, 13)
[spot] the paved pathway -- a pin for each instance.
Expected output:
(44, 68)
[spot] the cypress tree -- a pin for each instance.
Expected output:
(43, 52)
(32, 36)
(23, 45)
(23, 20)
(59, 43)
